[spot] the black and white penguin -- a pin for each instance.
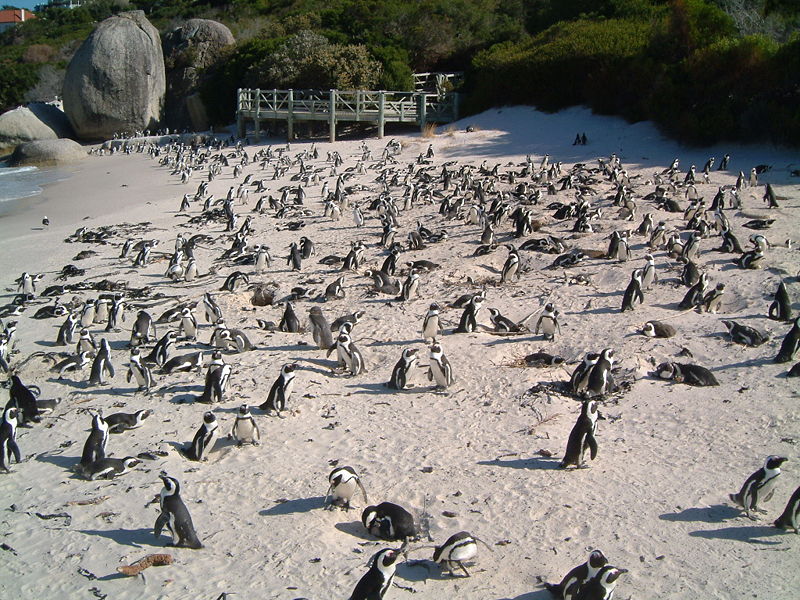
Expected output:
(217, 377)
(410, 287)
(8, 438)
(119, 422)
(501, 323)
(602, 585)
(582, 436)
(649, 275)
(262, 259)
(139, 371)
(759, 486)
(184, 363)
(781, 307)
(439, 370)
(790, 344)
(431, 325)
(633, 292)
(320, 328)
(694, 297)
(245, 429)
(188, 325)
(374, 584)
(159, 355)
(548, 322)
(102, 364)
(686, 373)
(399, 378)
(295, 258)
(289, 322)
(175, 516)
(579, 380)
(142, 326)
(95, 446)
(335, 290)
(511, 267)
(712, 300)
(203, 440)
(389, 521)
(577, 577)
(108, 468)
(349, 355)
(67, 331)
(76, 362)
(86, 342)
(342, 485)
(211, 310)
(744, 334)
(459, 548)
(469, 318)
(658, 329)
(790, 518)
(601, 381)
(23, 398)
(281, 391)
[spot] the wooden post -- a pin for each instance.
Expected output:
(257, 116)
(381, 111)
(332, 115)
(422, 111)
(290, 118)
(240, 127)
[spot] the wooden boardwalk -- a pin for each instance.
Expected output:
(333, 106)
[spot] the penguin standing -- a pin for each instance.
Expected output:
(342, 485)
(139, 371)
(389, 521)
(140, 333)
(204, 439)
(217, 378)
(374, 584)
(790, 518)
(600, 381)
(8, 438)
(245, 428)
(188, 324)
(289, 322)
(634, 291)
(161, 351)
(211, 309)
(439, 371)
(578, 577)
(790, 344)
(67, 331)
(262, 259)
(548, 322)
(781, 307)
(101, 365)
(399, 379)
(602, 585)
(175, 516)
(459, 548)
(469, 318)
(21, 397)
(410, 286)
(759, 486)
(320, 328)
(95, 446)
(582, 436)
(281, 390)
(349, 355)
(295, 258)
(649, 275)
(430, 325)
(511, 267)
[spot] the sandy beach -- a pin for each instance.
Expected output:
(482, 455)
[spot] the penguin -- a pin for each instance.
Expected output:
(8, 438)
(431, 326)
(548, 322)
(95, 446)
(217, 377)
(289, 322)
(582, 436)
(543, 359)
(87, 314)
(790, 518)
(342, 485)
(161, 351)
(389, 521)
(306, 248)
(295, 258)
(374, 584)
(86, 342)
(602, 585)
(108, 468)
(744, 335)
(116, 314)
(649, 275)
(469, 318)
(102, 364)
(245, 428)
(713, 299)
(759, 486)
(203, 441)
(119, 422)
(439, 370)
(634, 291)
(184, 363)
(281, 390)
(657, 329)
(349, 354)
(579, 380)
(320, 329)
(511, 266)
(730, 243)
(790, 344)
(686, 373)
(335, 290)
(459, 548)
(262, 259)
(188, 325)
(212, 311)
(140, 334)
(781, 307)
(694, 297)
(67, 331)
(75, 362)
(502, 324)
(578, 577)
(410, 286)
(175, 516)
(600, 380)
(690, 274)
(399, 378)
(21, 397)
(751, 259)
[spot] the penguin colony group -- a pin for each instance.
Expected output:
(509, 209)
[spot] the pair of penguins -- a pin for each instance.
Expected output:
(760, 486)
(245, 430)
(593, 580)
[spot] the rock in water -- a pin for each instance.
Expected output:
(47, 153)
(22, 125)
(116, 82)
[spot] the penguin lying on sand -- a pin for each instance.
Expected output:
(686, 373)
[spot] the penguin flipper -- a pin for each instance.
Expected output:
(592, 443)
(553, 588)
(13, 448)
(161, 522)
(110, 368)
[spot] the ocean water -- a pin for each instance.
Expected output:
(19, 183)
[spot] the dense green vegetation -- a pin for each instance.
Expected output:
(704, 70)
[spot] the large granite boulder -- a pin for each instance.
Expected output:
(189, 49)
(48, 152)
(115, 82)
(22, 125)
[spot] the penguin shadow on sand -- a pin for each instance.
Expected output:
(291, 507)
(537, 595)
(534, 462)
(356, 529)
(68, 463)
(751, 534)
(381, 389)
(137, 538)
(718, 513)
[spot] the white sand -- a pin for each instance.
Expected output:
(655, 500)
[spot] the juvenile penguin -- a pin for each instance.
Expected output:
(374, 584)
(343, 483)
(582, 436)
(790, 518)
(759, 486)
(389, 521)
(203, 440)
(431, 326)
(320, 328)
(8, 438)
(633, 292)
(439, 371)
(399, 378)
(95, 446)
(281, 390)
(548, 322)
(289, 322)
(790, 344)
(175, 516)
(144, 324)
(245, 428)
(578, 577)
